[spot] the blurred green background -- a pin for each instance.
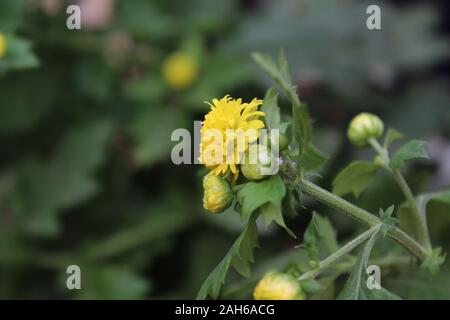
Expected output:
(86, 117)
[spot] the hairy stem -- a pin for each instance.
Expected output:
(341, 252)
(420, 222)
(361, 215)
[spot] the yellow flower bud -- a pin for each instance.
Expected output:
(251, 170)
(179, 70)
(2, 45)
(364, 127)
(278, 286)
(218, 195)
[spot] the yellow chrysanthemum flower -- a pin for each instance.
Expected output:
(179, 70)
(217, 193)
(2, 45)
(226, 133)
(278, 286)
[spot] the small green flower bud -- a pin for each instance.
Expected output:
(252, 171)
(278, 286)
(218, 195)
(363, 127)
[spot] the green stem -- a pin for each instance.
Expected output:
(341, 252)
(362, 216)
(421, 225)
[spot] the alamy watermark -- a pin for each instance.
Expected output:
(373, 21)
(73, 21)
(74, 279)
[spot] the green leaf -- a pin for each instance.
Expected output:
(391, 136)
(255, 194)
(284, 66)
(270, 107)
(320, 237)
(270, 213)
(411, 150)
(313, 158)
(302, 126)
(240, 256)
(274, 71)
(301, 118)
(356, 286)
(354, 178)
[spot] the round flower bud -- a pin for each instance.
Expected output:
(364, 127)
(2, 45)
(278, 286)
(251, 170)
(179, 70)
(218, 195)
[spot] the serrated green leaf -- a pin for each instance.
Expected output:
(240, 256)
(411, 150)
(270, 213)
(391, 136)
(301, 118)
(320, 237)
(356, 286)
(267, 64)
(302, 126)
(270, 107)
(355, 178)
(284, 66)
(255, 194)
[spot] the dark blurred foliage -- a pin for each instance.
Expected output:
(86, 118)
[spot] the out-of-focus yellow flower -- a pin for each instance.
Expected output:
(179, 70)
(217, 193)
(278, 286)
(226, 133)
(2, 45)
(364, 127)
